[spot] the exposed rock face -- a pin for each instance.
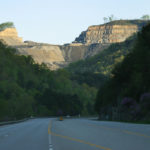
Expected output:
(51, 55)
(10, 37)
(107, 34)
(89, 43)
(56, 56)
(113, 32)
(74, 53)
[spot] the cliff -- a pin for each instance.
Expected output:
(113, 32)
(10, 37)
(89, 43)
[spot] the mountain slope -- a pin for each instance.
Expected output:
(103, 61)
(95, 70)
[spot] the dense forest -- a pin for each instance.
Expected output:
(126, 94)
(28, 89)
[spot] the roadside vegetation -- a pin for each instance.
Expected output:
(126, 94)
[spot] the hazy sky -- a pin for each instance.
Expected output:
(61, 21)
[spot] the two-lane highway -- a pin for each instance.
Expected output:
(74, 134)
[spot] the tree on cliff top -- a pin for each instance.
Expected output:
(109, 19)
(145, 17)
(5, 25)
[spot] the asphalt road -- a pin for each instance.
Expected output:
(74, 134)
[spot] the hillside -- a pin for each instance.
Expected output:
(126, 95)
(95, 70)
(103, 61)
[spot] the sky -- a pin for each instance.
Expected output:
(61, 21)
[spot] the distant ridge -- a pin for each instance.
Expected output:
(90, 42)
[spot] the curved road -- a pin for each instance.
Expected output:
(74, 134)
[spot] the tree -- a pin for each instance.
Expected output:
(145, 17)
(109, 18)
(105, 19)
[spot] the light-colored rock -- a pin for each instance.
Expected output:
(48, 54)
(113, 32)
(10, 37)
(107, 34)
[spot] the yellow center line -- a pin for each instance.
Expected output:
(124, 131)
(136, 133)
(104, 127)
(73, 139)
(49, 127)
(80, 141)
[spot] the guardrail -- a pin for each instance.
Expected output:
(12, 122)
